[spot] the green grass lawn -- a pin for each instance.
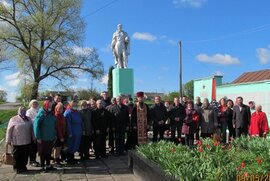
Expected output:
(5, 116)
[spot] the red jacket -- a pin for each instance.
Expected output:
(258, 124)
(61, 126)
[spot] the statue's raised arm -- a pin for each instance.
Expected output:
(120, 47)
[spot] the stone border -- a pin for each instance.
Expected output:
(146, 169)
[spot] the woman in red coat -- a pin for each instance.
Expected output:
(258, 123)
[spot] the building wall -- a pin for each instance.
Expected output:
(259, 92)
(203, 88)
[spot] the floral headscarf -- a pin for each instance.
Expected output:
(47, 106)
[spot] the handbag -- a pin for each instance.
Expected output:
(8, 158)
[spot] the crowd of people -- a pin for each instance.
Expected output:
(56, 131)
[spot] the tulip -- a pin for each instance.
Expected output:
(173, 150)
(199, 143)
(259, 161)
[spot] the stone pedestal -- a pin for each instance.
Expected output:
(123, 82)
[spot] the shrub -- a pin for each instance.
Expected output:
(211, 160)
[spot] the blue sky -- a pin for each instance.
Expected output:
(218, 37)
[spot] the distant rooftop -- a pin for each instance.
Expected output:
(253, 76)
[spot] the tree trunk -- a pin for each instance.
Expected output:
(35, 86)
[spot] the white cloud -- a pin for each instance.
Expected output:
(82, 50)
(218, 73)
(144, 36)
(104, 79)
(106, 49)
(225, 59)
(192, 3)
(11, 96)
(13, 80)
(2, 88)
(264, 55)
(165, 38)
(172, 42)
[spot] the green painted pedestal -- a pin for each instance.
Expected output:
(123, 82)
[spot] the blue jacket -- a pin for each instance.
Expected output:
(45, 126)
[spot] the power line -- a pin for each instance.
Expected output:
(244, 32)
(101, 8)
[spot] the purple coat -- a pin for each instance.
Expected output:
(189, 126)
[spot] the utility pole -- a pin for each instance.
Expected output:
(180, 71)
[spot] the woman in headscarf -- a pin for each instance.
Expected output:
(45, 133)
(19, 135)
(32, 113)
(258, 123)
(74, 130)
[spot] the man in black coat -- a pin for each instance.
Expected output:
(100, 125)
(158, 117)
(120, 125)
(111, 123)
(241, 118)
(105, 100)
(178, 113)
(131, 136)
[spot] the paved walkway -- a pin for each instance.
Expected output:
(9, 105)
(109, 169)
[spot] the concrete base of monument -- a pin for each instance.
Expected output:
(123, 82)
(145, 169)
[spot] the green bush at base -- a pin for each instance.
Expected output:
(244, 158)
(5, 115)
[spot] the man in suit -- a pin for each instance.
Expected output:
(120, 124)
(241, 118)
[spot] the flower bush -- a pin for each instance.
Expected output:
(210, 160)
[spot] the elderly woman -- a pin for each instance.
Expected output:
(229, 113)
(190, 122)
(19, 135)
(223, 118)
(87, 130)
(32, 113)
(74, 131)
(61, 130)
(208, 120)
(258, 123)
(45, 133)
(100, 124)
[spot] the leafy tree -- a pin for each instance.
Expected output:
(25, 93)
(44, 37)
(110, 82)
(86, 94)
(189, 89)
(3, 96)
(170, 96)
